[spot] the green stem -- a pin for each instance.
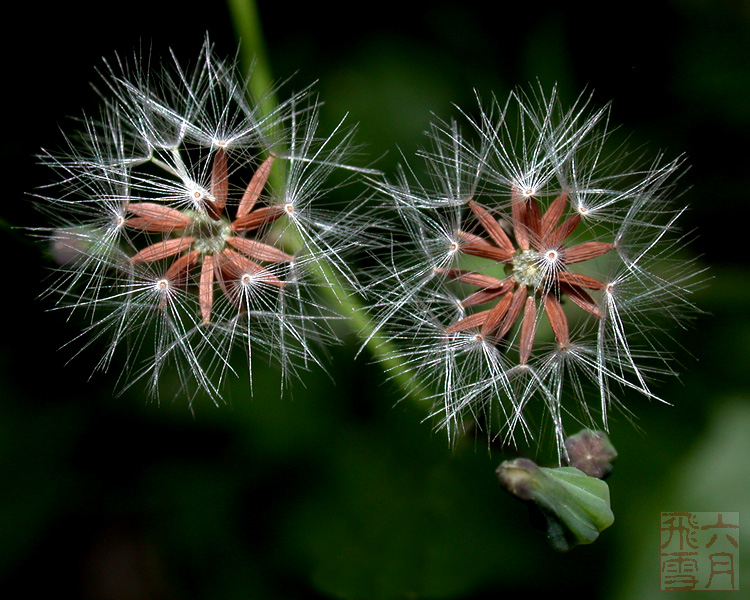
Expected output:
(378, 345)
(253, 55)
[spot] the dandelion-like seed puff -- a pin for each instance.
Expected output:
(186, 217)
(536, 267)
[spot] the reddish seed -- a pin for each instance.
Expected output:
(218, 264)
(547, 234)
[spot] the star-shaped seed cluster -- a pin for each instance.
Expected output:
(537, 261)
(206, 241)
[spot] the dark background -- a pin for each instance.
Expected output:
(338, 490)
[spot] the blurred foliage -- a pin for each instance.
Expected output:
(713, 473)
(338, 490)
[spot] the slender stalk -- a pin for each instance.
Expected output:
(253, 55)
(378, 345)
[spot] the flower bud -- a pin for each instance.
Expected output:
(591, 452)
(72, 245)
(573, 507)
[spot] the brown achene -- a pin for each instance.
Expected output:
(538, 265)
(206, 240)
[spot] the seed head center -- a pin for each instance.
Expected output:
(210, 235)
(527, 269)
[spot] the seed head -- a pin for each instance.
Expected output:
(536, 268)
(186, 219)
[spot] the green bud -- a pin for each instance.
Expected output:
(573, 507)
